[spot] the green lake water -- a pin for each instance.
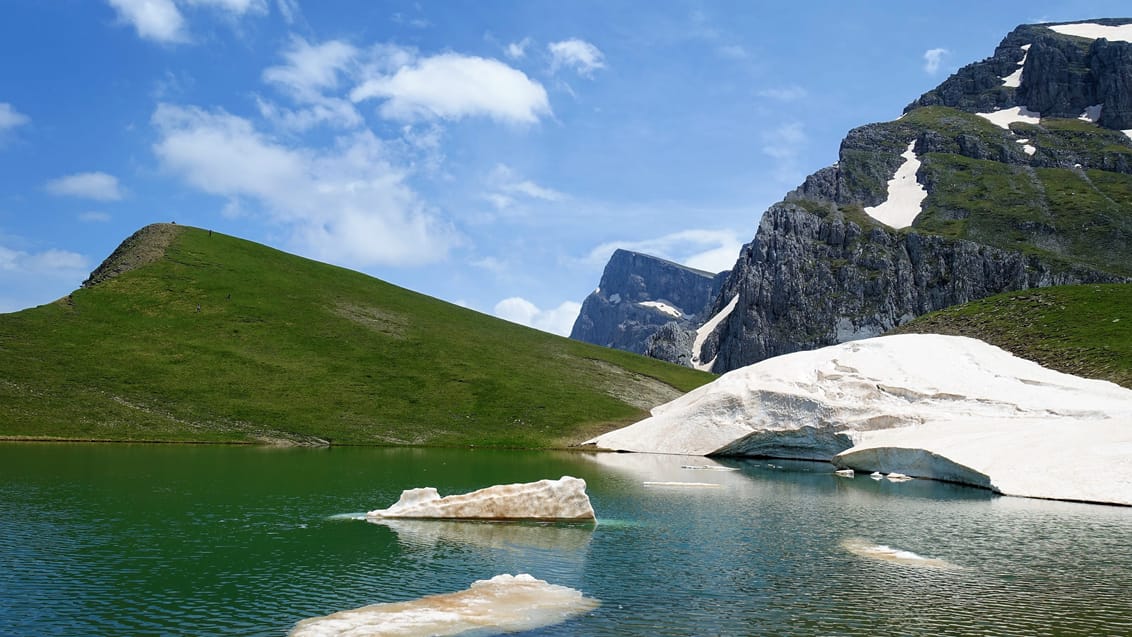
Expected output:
(206, 540)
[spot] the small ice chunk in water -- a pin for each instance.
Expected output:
(502, 604)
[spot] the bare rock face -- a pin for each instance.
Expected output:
(562, 499)
(638, 295)
(141, 248)
(807, 281)
(931, 406)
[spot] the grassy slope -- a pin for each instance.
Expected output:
(1079, 329)
(284, 347)
(1061, 214)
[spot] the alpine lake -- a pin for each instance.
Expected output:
(115, 539)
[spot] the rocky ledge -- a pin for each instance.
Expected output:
(926, 405)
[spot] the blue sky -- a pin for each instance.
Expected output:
(489, 153)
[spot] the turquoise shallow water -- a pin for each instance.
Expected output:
(187, 540)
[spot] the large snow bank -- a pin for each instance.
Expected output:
(562, 499)
(925, 405)
(502, 604)
(905, 194)
(1092, 30)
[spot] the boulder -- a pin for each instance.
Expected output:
(925, 405)
(562, 499)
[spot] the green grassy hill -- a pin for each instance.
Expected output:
(1079, 329)
(206, 337)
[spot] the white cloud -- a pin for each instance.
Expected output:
(451, 86)
(577, 54)
(29, 278)
(559, 320)
(236, 7)
(311, 71)
(157, 20)
(289, 9)
(10, 117)
(508, 185)
(732, 51)
(94, 185)
(708, 250)
(94, 216)
(784, 93)
(932, 60)
(784, 143)
(349, 204)
(517, 50)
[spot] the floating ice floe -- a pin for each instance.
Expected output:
(707, 467)
(1092, 30)
(502, 604)
(1007, 116)
(562, 499)
(923, 405)
(864, 548)
(1014, 80)
(905, 194)
(845, 473)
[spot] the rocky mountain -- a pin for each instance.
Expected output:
(638, 295)
(1014, 173)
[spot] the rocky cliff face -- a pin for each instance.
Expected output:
(639, 294)
(1025, 161)
(809, 280)
(1010, 204)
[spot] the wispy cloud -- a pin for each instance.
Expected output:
(309, 74)
(576, 54)
(94, 216)
(933, 58)
(783, 93)
(558, 320)
(162, 20)
(234, 7)
(349, 204)
(99, 186)
(289, 9)
(785, 143)
(507, 185)
(157, 20)
(517, 50)
(451, 86)
(10, 117)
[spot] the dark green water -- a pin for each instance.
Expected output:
(182, 540)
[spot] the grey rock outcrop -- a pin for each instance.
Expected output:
(808, 281)
(1007, 207)
(1061, 77)
(638, 295)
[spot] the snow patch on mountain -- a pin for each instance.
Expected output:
(905, 194)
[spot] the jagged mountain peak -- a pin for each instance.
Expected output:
(1015, 172)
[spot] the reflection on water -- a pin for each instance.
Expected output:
(495, 535)
(863, 548)
(125, 540)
